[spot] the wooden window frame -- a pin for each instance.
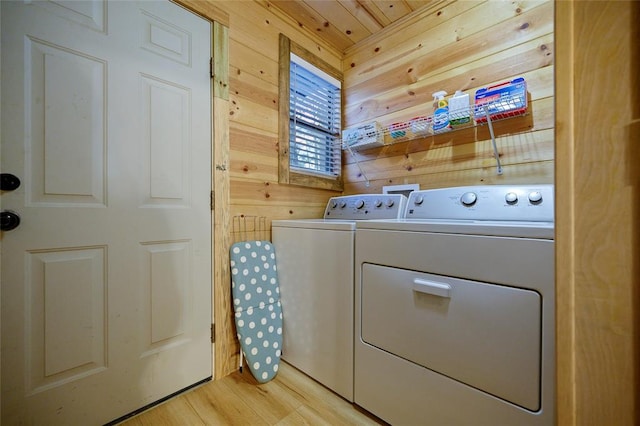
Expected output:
(285, 174)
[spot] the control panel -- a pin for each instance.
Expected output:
(366, 207)
(485, 202)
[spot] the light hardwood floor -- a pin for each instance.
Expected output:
(291, 398)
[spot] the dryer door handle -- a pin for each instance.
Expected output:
(432, 287)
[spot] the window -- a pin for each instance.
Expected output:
(310, 119)
(314, 120)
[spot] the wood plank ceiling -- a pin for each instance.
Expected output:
(343, 23)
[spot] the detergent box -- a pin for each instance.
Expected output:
(368, 135)
(508, 99)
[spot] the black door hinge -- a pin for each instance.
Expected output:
(213, 333)
(210, 67)
(212, 200)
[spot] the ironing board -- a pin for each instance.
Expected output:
(257, 308)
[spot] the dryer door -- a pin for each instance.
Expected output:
(484, 335)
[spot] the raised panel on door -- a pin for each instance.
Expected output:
(91, 14)
(168, 294)
(66, 121)
(66, 294)
(166, 159)
(165, 39)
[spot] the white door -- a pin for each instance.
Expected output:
(106, 283)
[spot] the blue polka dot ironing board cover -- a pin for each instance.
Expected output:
(256, 305)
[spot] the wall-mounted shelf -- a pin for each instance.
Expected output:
(494, 109)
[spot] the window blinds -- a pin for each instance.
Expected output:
(314, 123)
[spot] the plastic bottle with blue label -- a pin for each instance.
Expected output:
(441, 113)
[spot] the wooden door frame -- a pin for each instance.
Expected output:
(224, 345)
(597, 127)
(564, 238)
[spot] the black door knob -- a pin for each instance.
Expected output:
(9, 182)
(8, 220)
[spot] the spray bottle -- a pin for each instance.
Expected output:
(441, 113)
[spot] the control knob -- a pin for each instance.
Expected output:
(333, 204)
(377, 203)
(468, 199)
(511, 198)
(359, 204)
(343, 204)
(535, 197)
(418, 200)
(390, 202)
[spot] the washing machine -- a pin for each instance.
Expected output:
(315, 262)
(455, 309)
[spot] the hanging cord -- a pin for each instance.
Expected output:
(364, 175)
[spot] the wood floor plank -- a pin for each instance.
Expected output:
(321, 400)
(305, 416)
(167, 414)
(291, 398)
(217, 404)
(270, 400)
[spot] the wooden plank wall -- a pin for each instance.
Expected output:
(253, 78)
(453, 45)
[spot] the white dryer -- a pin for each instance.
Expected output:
(455, 309)
(315, 261)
